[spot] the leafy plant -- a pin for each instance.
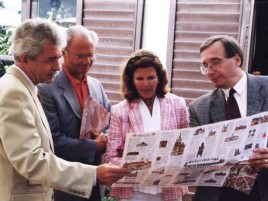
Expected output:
(4, 48)
(2, 4)
(107, 197)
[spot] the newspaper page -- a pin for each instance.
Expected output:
(209, 155)
(95, 118)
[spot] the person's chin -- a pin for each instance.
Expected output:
(146, 96)
(216, 82)
(83, 69)
(218, 85)
(49, 81)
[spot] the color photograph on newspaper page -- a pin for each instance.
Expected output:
(209, 155)
(95, 119)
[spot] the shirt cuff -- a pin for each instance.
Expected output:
(95, 177)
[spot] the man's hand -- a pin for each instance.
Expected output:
(259, 157)
(100, 140)
(107, 174)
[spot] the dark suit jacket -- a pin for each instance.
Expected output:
(210, 108)
(64, 115)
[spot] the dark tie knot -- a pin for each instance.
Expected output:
(232, 92)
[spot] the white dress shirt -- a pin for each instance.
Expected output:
(240, 95)
(150, 123)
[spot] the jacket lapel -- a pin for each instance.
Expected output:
(165, 109)
(135, 117)
(217, 108)
(256, 97)
(92, 91)
(69, 94)
(21, 77)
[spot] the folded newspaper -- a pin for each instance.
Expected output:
(209, 155)
(95, 119)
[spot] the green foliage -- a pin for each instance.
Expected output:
(4, 47)
(2, 4)
(4, 40)
(4, 66)
(106, 196)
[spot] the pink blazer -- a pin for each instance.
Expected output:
(126, 117)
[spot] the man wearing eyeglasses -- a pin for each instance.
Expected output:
(222, 61)
(63, 102)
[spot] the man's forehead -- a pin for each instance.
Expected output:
(214, 50)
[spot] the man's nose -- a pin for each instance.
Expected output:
(56, 67)
(210, 69)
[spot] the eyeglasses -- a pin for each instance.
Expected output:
(83, 56)
(133, 60)
(204, 67)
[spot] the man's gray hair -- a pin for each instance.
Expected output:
(29, 37)
(231, 46)
(84, 32)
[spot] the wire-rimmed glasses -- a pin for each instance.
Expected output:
(204, 67)
(83, 56)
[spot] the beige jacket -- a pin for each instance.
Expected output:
(27, 162)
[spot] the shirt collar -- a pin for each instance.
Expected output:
(34, 87)
(73, 80)
(239, 87)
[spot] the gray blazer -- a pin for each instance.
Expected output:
(210, 108)
(65, 115)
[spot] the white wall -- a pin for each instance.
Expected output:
(12, 5)
(155, 32)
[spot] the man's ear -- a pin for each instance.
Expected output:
(23, 58)
(238, 60)
(63, 52)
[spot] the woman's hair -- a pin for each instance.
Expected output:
(29, 37)
(230, 45)
(142, 59)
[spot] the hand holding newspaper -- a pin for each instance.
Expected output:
(95, 119)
